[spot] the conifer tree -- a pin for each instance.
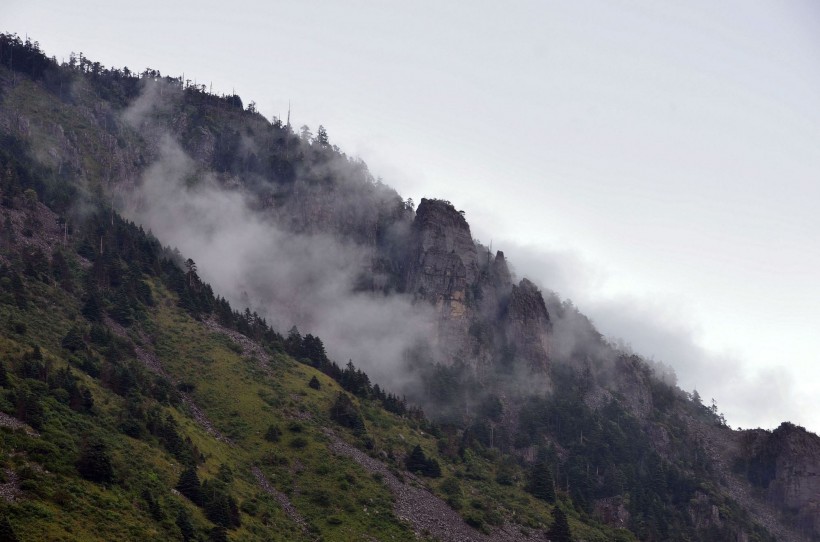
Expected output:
(185, 525)
(190, 486)
(7, 533)
(94, 463)
(540, 483)
(559, 531)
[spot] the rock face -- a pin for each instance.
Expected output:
(441, 267)
(528, 325)
(485, 320)
(443, 257)
(786, 462)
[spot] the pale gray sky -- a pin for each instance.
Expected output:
(659, 163)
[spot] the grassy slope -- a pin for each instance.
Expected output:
(336, 496)
(243, 398)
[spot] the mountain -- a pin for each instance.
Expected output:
(179, 275)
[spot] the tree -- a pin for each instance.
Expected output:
(219, 506)
(416, 461)
(91, 308)
(293, 344)
(218, 534)
(540, 483)
(94, 463)
(321, 137)
(185, 525)
(419, 463)
(273, 434)
(345, 413)
(314, 383)
(190, 486)
(305, 134)
(190, 274)
(7, 533)
(559, 530)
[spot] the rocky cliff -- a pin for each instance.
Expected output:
(785, 464)
(485, 321)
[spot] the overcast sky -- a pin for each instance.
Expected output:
(657, 162)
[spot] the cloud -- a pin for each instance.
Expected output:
(662, 329)
(302, 279)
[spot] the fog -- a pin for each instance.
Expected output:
(290, 279)
(661, 330)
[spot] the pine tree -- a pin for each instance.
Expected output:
(273, 434)
(540, 483)
(94, 463)
(416, 461)
(559, 531)
(73, 340)
(218, 534)
(190, 486)
(7, 533)
(91, 309)
(321, 137)
(185, 525)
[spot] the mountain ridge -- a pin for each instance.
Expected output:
(495, 342)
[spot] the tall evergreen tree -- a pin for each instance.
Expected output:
(185, 526)
(540, 483)
(559, 530)
(7, 533)
(94, 463)
(190, 486)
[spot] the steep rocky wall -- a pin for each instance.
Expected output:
(796, 482)
(528, 325)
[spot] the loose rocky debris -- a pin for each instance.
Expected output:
(10, 490)
(203, 421)
(427, 514)
(281, 498)
(14, 423)
(35, 227)
(250, 349)
(151, 361)
(146, 357)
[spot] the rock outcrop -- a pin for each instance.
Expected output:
(484, 319)
(786, 463)
(528, 325)
(443, 259)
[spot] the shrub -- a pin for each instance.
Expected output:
(95, 464)
(344, 413)
(273, 434)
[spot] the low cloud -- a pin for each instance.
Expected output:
(664, 331)
(301, 279)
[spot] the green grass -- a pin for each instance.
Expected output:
(337, 497)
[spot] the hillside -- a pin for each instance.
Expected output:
(139, 403)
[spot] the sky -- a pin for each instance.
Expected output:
(656, 162)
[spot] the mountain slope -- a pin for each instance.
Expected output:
(521, 387)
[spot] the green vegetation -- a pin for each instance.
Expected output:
(146, 418)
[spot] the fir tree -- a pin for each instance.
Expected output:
(190, 486)
(94, 463)
(7, 533)
(185, 525)
(559, 530)
(540, 483)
